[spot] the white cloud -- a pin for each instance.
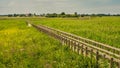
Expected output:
(57, 6)
(12, 3)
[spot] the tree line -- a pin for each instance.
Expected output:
(62, 15)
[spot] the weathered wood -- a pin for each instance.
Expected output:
(61, 38)
(94, 47)
(82, 49)
(75, 47)
(91, 53)
(97, 59)
(86, 52)
(63, 41)
(111, 63)
(69, 43)
(93, 42)
(78, 49)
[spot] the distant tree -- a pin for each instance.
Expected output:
(15, 15)
(82, 15)
(22, 15)
(63, 13)
(51, 15)
(117, 14)
(68, 15)
(93, 15)
(30, 14)
(55, 14)
(10, 15)
(43, 14)
(109, 14)
(34, 14)
(100, 15)
(76, 13)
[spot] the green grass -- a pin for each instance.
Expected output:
(25, 47)
(102, 29)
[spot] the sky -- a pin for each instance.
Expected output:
(58, 6)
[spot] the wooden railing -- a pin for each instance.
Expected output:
(84, 46)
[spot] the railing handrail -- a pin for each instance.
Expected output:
(92, 41)
(103, 52)
(94, 47)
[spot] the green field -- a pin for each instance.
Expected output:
(102, 29)
(25, 47)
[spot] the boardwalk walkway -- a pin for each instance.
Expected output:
(84, 46)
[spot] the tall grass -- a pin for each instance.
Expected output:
(102, 29)
(25, 47)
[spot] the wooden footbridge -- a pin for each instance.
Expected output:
(84, 46)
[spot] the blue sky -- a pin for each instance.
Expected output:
(57, 6)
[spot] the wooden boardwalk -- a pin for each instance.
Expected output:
(84, 46)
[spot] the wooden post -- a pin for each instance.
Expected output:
(73, 45)
(86, 51)
(59, 37)
(62, 40)
(78, 48)
(91, 56)
(66, 41)
(97, 59)
(111, 63)
(69, 42)
(91, 53)
(81, 48)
